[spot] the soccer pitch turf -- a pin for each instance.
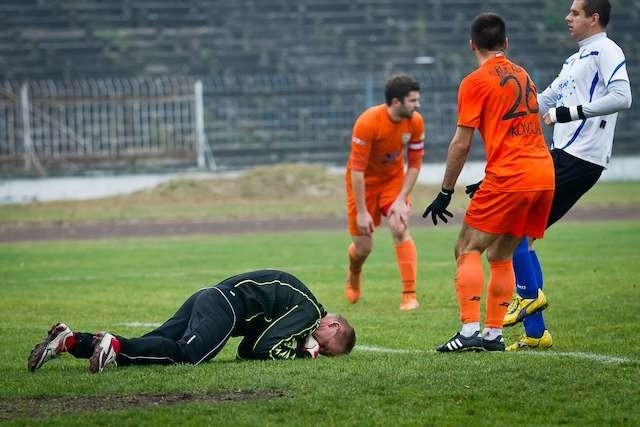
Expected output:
(591, 376)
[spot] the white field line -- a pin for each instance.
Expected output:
(375, 349)
(547, 353)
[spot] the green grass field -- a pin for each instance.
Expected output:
(393, 377)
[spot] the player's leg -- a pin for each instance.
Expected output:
(357, 252)
(536, 333)
(212, 322)
(361, 245)
(527, 306)
(208, 328)
(175, 326)
(530, 298)
(483, 224)
(407, 261)
(405, 247)
(500, 289)
(147, 350)
(101, 349)
(158, 347)
(574, 177)
(110, 349)
(530, 220)
(469, 283)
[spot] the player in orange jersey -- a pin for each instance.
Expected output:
(378, 185)
(514, 199)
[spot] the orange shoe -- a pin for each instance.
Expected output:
(409, 301)
(352, 288)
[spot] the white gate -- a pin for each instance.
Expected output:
(106, 121)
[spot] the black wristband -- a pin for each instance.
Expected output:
(563, 115)
(446, 192)
(569, 114)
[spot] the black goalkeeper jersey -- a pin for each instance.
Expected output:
(275, 312)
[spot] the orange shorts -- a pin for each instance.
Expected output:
(378, 200)
(520, 213)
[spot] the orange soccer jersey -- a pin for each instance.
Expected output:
(500, 100)
(378, 144)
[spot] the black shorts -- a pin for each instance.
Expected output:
(574, 177)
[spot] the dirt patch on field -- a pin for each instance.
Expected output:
(107, 230)
(265, 199)
(53, 406)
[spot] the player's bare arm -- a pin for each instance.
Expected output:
(457, 156)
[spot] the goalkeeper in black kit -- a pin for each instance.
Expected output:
(274, 311)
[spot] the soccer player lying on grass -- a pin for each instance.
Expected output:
(274, 311)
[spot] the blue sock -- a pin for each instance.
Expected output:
(536, 267)
(526, 282)
(534, 324)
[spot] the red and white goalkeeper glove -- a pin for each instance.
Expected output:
(310, 347)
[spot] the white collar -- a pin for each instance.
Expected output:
(582, 43)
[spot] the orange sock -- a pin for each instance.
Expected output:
(355, 266)
(407, 258)
(469, 283)
(502, 283)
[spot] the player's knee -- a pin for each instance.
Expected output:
(400, 235)
(364, 250)
(398, 228)
(494, 255)
(363, 247)
(462, 247)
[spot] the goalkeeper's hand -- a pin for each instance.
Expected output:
(310, 348)
(438, 208)
(470, 190)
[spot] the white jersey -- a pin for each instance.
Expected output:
(584, 78)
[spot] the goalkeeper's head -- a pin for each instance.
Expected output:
(335, 335)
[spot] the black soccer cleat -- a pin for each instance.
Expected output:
(461, 343)
(496, 344)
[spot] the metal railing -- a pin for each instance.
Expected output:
(240, 120)
(84, 121)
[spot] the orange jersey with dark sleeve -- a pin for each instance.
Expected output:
(500, 100)
(378, 145)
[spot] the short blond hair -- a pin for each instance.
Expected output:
(347, 335)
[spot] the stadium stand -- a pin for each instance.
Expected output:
(197, 37)
(295, 49)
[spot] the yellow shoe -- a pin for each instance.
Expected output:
(352, 288)
(545, 341)
(409, 301)
(523, 307)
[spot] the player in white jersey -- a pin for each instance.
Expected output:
(585, 98)
(582, 104)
